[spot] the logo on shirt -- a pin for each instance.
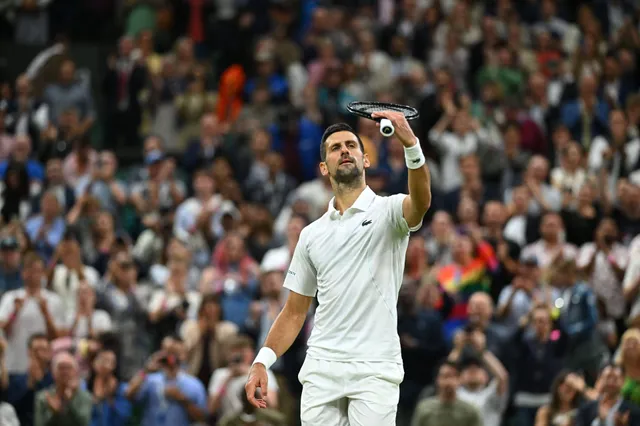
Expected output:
(366, 222)
(291, 272)
(416, 161)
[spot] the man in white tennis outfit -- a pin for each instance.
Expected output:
(353, 259)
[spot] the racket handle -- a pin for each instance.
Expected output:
(386, 128)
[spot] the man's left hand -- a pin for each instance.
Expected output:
(403, 132)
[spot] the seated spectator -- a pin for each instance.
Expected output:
(167, 394)
(205, 339)
(64, 402)
(54, 181)
(27, 311)
(84, 321)
(578, 317)
(544, 197)
(570, 176)
(46, 230)
(540, 356)
(21, 155)
(446, 408)
(71, 273)
(110, 404)
(23, 387)
(226, 382)
(610, 406)
(489, 394)
(103, 184)
(564, 401)
(627, 358)
(473, 258)
(550, 245)
(14, 194)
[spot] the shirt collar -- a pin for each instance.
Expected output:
(363, 202)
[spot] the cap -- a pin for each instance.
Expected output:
(9, 243)
(153, 157)
(529, 261)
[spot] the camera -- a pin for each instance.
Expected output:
(386, 127)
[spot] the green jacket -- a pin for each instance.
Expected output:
(76, 413)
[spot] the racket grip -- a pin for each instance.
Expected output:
(386, 127)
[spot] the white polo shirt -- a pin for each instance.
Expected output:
(354, 263)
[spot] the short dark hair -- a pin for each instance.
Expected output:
(449, 363)
(36, 336)
(31, 258)
(335, 128)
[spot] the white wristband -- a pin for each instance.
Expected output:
(266, 356)
(413, 156)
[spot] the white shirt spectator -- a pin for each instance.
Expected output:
(603, 280)
(561, 179)
(487, 401)
(65, 283)
(596, 159)
(451, 147)
(100, 323)
(169, 301)
(541, 252)
(29, 321)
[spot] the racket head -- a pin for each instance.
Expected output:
(366, 108)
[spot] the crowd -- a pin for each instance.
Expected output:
(136, 292)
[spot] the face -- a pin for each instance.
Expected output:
(203, 184)
(50, 206)
(467, 211)
(448, 380)
(631, 348)
(32, 276)
(470, 167)
(539, 168)
(271, 284)
(108, 161)
(566, 392)
(521, 199)
(54, 171)
(40, 350)
(612, 379)
(541, 322)
(21, 149)
(152, 143)
(124, 269)
(607, 231)
(235, 248)
(474, 377)
(104, 222)
(550, 227)
(65, 370)
(494, 214)
(104, 363)
(462, 247)
(441, 225)
(479, 308)
(294, 228)
(209, 125)
(67, 71)
(212, 311)
(618, 124)
(345, 162)
(586, 195)
(10, 258)
(574, 156)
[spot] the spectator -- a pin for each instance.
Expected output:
(550, 246)
(110, 406)
(609, 407)
(248, 415)
(564, 403)
(70, 92)
(168, 394)
(23, 387)
(578, 315)
(27, 311)
(446, 408)
(85, 321)
(103, 184)
(226, 382)
(15, 194)
(46, 230)
(64, 402)
(54, 181)
(206, 338)
(627, 357)
(21, 156)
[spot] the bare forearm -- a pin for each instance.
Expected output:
(284, 331)
(420, 188)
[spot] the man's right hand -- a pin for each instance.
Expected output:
(257, 379)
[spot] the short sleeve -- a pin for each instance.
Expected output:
(584, 255)
(217, 380)
(6, 306)
(301, 276)
(396, 216)
(199, 395)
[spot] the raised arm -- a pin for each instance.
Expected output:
(416, 204)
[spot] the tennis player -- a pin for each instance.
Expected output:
(353, 259)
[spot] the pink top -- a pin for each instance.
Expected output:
(70, 167)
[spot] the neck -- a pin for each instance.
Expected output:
(32, 289)
(447, 397)
(610, 397)
(551, 243)
(346, 195)
(172, 373)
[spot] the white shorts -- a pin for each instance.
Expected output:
(349, 393)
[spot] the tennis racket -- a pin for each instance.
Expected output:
(365, 109)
